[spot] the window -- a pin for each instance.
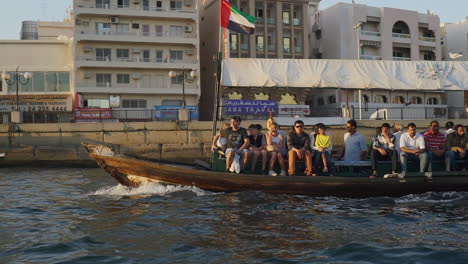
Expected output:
(380, 99)
(103, 28)
(159, 5)
(159, 30)
(287, 44)
(133, 103)
(146, 5)
(259, 14)
(233, 41)
(176, 55)
(175, 31)
(24, 88)
(123, 78)
(103, 79)
(320, 101)
(123, 3)
(123, 54)
(332, 99)
(103, 54)
(176, 5)
(286, 17)
(146, 30)
(38, 81)
(172, 102)
(135, 26)
(51, 81)
(260, 43)
(146, 55)
(178, 79)
(159, 56)
(102, 3)
(429, 57)
(123, 28)
(416, 100)
(398, 100)
(432, 101)
(64, 81)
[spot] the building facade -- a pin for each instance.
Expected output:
(455, 40)
(125, 49)
(281, 31)
(355, 31)
(48, 95)
(46, 30)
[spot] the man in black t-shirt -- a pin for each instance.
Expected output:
(237, 142)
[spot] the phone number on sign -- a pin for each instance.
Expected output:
(42, 109)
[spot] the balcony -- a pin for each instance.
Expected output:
(134, 11)
(401, 58)
(164, 86)
(137, 37)
(370, 35)
(370, 57)
(133, 62)
(401, 35)
(426, 41)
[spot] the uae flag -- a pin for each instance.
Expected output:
(235, 20)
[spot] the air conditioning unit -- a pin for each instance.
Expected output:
(87, 75)
(188, 28)
(136, 50)
(189, 52)
(114, 20)
(188, 2)
(136, 75)
(87, 49)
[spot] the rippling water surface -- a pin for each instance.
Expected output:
(82, 216)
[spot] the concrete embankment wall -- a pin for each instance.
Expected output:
(173, 141)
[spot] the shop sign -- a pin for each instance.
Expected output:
(93, 113)
(292, 110)
(33, 103)
(251, 107)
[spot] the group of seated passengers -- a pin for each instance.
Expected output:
(277, 146)
(274, 147)
(423, 147)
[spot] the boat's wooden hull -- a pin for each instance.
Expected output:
(123, 168)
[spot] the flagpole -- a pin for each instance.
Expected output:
(217, 61)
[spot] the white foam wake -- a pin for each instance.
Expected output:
(148, 189)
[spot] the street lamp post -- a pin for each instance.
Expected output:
(192, 75)
(17, 80)
(358, 31)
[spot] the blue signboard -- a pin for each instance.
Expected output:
(251, 107)
(171, 112)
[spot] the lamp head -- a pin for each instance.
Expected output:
(193, 73)
(27, 75)
(172, 74)
(5, 76)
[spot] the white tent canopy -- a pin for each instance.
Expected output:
(352, 74)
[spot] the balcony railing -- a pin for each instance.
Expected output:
(166, 34)
(271, 20)
(370, 57)
(137, 8)
(370, 33)
(401, 35)
(133, 59)
(298, 49)
(401, 58)
(427, 39)
(296, 22)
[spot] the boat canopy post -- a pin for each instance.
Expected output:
(360, 105)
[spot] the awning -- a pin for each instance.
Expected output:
(346, 74)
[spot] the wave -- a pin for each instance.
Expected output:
(432, 197)
(148, 189)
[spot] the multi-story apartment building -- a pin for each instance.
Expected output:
(455, 40)
(355, 31)
(281, 31)
(125, 50)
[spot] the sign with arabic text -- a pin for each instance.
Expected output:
(251, 107)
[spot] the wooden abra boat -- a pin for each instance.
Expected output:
(132, 172)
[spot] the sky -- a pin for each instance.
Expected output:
(16, 11)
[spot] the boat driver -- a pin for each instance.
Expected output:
(237, 143)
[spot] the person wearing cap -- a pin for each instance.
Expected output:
(449, 128)
(299, 148)
(237, 142)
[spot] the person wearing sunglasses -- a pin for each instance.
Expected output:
(299, 149)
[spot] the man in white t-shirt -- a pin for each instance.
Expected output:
(412, 147)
